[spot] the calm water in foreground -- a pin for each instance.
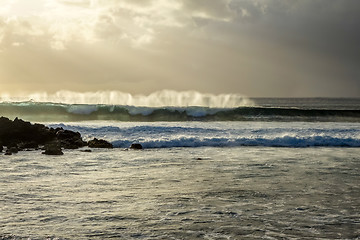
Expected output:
(182, 193)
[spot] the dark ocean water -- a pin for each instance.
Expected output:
(310, 103)
(272, 169)
(182, 193)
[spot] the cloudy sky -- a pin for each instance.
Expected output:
(259, 48)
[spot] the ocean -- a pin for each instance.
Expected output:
(218, 168)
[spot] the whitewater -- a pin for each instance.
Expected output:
(219, 134)
(213, 167)
(161, 98)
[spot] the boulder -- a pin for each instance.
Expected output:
(136, 146)
(69, 139)
(99, 143)
(8, 152)
(1, 147)
(67, 134)
(28, 145)
(13, 150)
(53, 149)
(72, 143)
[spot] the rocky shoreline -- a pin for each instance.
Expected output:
(19, 135)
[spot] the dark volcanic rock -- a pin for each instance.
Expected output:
(53, 149)
(99, 143)
(24, 135)
(69, 139)
(27, 145)
(12, 145)
(136, 146)
(8, 152)
(67, 134)
(17, 131)
(87, 151)
(13, 150)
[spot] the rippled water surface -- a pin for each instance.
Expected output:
(182, 193)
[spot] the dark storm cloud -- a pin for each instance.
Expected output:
(327, 27)
(321, 32)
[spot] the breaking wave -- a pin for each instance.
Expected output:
(164, 105)
(162, 98)
(222, 134)
(47, 112)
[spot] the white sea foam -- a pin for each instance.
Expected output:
(222, 134)
(157, 99)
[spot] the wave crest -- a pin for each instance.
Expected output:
(208, 134)
(35, 111)
(162, 98)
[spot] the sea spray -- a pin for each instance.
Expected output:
(166, 105)
(162, 98)
(47, 112)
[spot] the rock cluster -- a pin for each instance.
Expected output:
(21, 132)
(19, 135)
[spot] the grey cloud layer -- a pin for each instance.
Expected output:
(325, 21)
(256, 47)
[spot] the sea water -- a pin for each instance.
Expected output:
(264, 178)
(182, 193)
